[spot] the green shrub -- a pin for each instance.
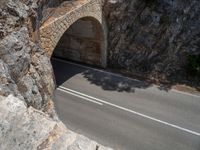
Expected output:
(193, 67)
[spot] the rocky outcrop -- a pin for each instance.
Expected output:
(148, 37)
(29, 73)
(27, 117)
(153, 37)
(25, 128)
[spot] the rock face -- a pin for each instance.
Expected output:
(27, 117)
(27, 71)
(25, 128)
(153, 37)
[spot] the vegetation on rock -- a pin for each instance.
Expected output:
(193, 66)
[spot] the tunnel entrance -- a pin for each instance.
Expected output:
(83, 42)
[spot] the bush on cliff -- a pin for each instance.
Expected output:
(193, 67)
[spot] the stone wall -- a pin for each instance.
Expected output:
(55, 26)
(153, 38)
(81, 42)
(65, 16)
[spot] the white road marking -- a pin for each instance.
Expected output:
(118, 75)
(85, 98)
(99, 70)
(188, 94)
(82, 95)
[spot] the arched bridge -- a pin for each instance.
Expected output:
(76, 30)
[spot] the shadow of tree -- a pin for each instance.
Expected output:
(107, 81)
(113, 82)
(182, 83)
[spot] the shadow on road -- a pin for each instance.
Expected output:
(112, 82)
(106, 81)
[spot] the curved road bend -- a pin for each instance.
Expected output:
(125, 113)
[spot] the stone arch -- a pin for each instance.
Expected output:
(54, 28)
(84, 42)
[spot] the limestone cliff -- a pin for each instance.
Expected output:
(148, 37)
(25, 128)
(27, 117)
(153, 37)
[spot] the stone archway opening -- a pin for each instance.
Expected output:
(84, 41)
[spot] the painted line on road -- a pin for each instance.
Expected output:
(85, 98)
(121, 76)
(82, 95)
(100, 70)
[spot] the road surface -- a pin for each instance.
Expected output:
(124, 113)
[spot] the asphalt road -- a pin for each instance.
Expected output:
(124, 113)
